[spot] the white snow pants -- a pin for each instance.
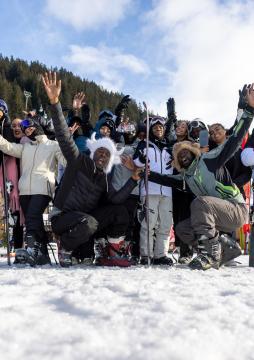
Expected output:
(160, 221)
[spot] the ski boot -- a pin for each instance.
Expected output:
(144, 260)
(112, 252)
(230, 249)
(184, 260)
(209, 255)
(164, 260)
(36, 253)
(100, 250)
(186, 254)
(64, 256)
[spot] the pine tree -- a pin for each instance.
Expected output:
(17, 75)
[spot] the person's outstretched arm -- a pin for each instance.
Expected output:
(63, 135)
(224, 152)
(10, 148)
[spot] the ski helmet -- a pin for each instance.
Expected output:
(3, 107)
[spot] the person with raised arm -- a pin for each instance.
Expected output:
(86, 202)
(219, 205)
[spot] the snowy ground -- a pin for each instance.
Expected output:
(135, 313)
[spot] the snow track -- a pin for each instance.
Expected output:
(135, 313)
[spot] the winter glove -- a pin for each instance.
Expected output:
(122, 105)
(242, 104)
(171, 109)
(242, 97)
(119, 110)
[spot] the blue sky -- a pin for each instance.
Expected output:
(198, 51)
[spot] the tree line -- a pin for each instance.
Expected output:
(17, 76)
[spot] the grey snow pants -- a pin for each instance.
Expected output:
(210, 215)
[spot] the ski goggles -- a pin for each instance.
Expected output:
(26, 123)
(109, 123)
(195, 124)
(157, 120)
(126, 128)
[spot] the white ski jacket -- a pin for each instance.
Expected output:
(159, 162)
(38, 160)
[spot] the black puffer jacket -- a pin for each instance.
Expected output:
(83, 187)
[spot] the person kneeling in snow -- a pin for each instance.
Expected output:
(219, 205)
(86, 202)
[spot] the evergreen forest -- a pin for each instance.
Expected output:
(17, 76)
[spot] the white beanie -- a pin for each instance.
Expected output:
(108, 144)
(247, 157)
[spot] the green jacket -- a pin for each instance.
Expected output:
(207, 174)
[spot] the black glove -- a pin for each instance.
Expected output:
(122, 105)
(242, 97)
(171, 109)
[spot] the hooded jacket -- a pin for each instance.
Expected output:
(159, 160)
(207, 174)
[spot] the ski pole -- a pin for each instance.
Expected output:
(6, 219)
(146, 186)
(251, 240)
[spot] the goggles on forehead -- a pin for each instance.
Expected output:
(157, 120)
(108, 122)
(26, 123)
(126, 128)
(195, 124)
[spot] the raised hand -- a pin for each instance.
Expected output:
(171, 110)
(52, 86)
(242, 97)
(128, 162)
(123, 104)
(171, 106)
(250, 95)
(74, 127)
(78, 101)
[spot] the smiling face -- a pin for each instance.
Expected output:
(17, 132)
(105, 131)
(29, 131)
(181, 129)
(158, 131)
(217, 133)
(185, 158)
(101, 158)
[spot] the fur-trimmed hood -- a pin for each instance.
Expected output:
(193, 147)
(107, 143)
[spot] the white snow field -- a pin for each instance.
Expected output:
(135, 313)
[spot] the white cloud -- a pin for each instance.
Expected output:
(105, 65)
(209, 44)
(87, 14)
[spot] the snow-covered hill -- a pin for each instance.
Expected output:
(135, 313)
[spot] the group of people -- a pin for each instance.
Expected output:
(95, 177)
